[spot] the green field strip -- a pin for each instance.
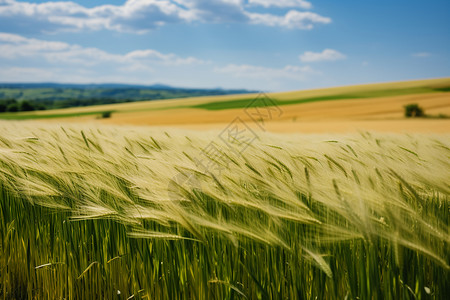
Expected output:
(19, 116)
(241, 103)
(249, 102)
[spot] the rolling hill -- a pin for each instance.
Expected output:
(330, 109)
(54, 95)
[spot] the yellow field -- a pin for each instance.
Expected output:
(95, 211)
(383, 113)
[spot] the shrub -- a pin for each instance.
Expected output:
(413, 110)
(106, 114)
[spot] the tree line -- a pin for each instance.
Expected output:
(13, 105)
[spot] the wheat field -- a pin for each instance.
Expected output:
(372, 107)
(104, 212)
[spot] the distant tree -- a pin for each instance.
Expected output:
(26, 106)
(40, 106)
(9, 101)
(413, 111)
(3, 106)
(61, 104)
(106, 114)
(13, 107)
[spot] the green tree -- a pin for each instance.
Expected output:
(13, 107)
(26, 106)
(40, 106)
(413, 110)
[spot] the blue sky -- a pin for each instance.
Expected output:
(270, 45)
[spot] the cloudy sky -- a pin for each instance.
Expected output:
(269, 45)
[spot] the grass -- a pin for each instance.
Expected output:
(28, 116)
(103, 213)
(249, 102)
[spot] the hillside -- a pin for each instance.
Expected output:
(52, 95)
(342, 109)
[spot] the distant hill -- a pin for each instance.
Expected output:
(56, 95)
(157, 86)
(381, 101)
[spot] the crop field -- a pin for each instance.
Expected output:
(106, 212)
(240, 101)
(373, 107)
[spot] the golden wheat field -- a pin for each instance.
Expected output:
(321, 194)
(95, 211)
(224, 150)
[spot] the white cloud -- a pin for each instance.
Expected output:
(325, 55)
(15, 46)
(293, 19)
(150, 55)
(282, 3)
(421, 54)
(12, 45)
(34, 60)
(11, 38)
(140, 16)
(133, 15)
(17, 74)
(215, 11)
(78, 75)
(258, 72)
(26, 59)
